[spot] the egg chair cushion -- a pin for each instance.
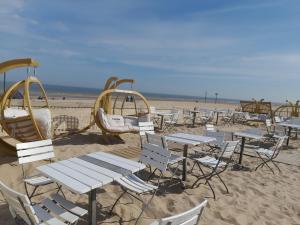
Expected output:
(43, 119)
(11, 113)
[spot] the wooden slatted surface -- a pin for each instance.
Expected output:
(85, 173)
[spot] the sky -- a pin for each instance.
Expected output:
(240, 49)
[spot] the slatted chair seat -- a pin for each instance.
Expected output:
(210, 161)
(265, 151)
(48, 212)
(175, 159)
(133, 183)
(38, 180)
(32, 152)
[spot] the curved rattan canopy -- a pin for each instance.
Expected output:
(288, 110)
(28, 121)
(16, 63)
(108, 99)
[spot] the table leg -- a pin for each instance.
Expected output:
(217, 118)
(161, 122)
(184, 166)
(92, 207)
(194, 119)
(289, 135)
(242, 150)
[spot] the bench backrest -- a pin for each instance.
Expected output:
(35, 151)
(154, 153)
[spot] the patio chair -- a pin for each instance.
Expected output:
(206, 117)
(53, 211)
(227, 118)
(187, 116)
(173, 159)
(216, 165)
(190, 217)
(170, 123)
(33, 152)
(145, 127)
(155, 156)
(218, 143)
(210, 127)
(153, 115)
(268, 155)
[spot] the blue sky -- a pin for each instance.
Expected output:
(240, 49)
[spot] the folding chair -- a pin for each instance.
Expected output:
(32, 152)
(172, 121)
(53, 211)
(145, 127)
(228, 117)
(173, 159)
(219, 136)
(154, 117)
(268, 155)
(187, 116)
(210, 127)
(152, 155)
(190, 217)
(207, 117)
(216, 165)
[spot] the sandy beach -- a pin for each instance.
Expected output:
(256, 197)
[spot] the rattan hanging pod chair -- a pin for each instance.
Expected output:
(19, 118)
(117, 111)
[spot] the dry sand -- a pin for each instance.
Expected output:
(256, 197)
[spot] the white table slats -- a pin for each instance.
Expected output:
(248, 135)
(181, 140)
(69, 182)
(88, 172)
(197, 138)
(107, 175)
(137, 165)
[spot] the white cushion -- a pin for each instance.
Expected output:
(115, 120)
(11, 113)
(43, 119)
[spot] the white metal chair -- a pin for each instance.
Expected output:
(268, 155)
(170, 123)
(152, 155)
(227, 118)
(32, 152)
(210, 127)
(216, 165)
(190, 217)
(145, 127)
(173, 159)
(51, 211)
(206, 117)
(153, 115)
(219, 136)
(187, 116)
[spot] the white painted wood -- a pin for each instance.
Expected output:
(46, 217)
(33, 144)
(102, 179)
(69, 205)
(115, 162)
(34, 158)
(248, 135)
(192, 137)
(182, 140)
(122, 159)
(71, 172)
(34, 151)
(54, 208)
(71, 183)
(190, 217)
(135, 184)
(106, 172)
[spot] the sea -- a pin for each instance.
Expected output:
(60, 91)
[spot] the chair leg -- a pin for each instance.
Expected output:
(206, 179)
(145, 206)
(112, 208)
(275, 164)
(152, 174)
(223, 183)
(265, 162)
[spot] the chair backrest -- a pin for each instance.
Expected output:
(146, 127)
(152, 109)
(154, 154)
(19, 205)
(190, 217)
(210, 127)
(219, 136)
(175, 115)
(277, 147)
(268, 123)
(186, 112)
(229, 148)
(35, 151)
(156, 140)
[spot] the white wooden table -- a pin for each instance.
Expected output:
(186, 140)
(84, 174)
(244, 135)
(195, 111)
(290, 124)
(220, 111)
(162, 116)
